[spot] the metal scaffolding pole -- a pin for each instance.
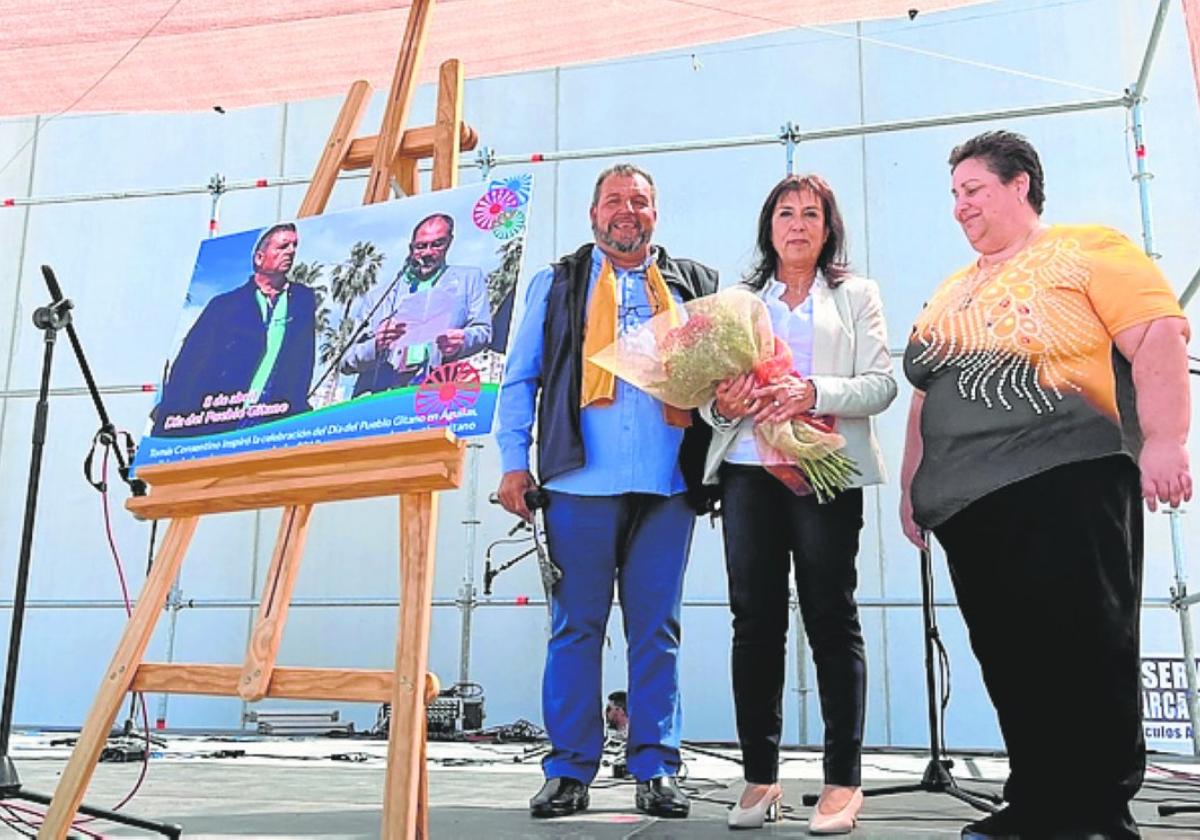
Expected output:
(617, 151)
(520, 602)
(1139, 87)
(1190, 290)
(1180, 600)
(1134, 97)
(80, 391)
(466, 593)
(1143, 177)
(820, 134)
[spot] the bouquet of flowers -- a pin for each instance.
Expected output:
(680, 358)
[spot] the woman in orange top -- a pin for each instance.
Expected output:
(1025, 438)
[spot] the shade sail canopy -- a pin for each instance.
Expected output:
(180, 55)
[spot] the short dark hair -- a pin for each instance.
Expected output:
(832, 259)
(1006, 154)
(445, 217)
(266, 235)
(628, 170)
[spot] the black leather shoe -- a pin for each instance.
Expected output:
(661, 797)
(1002, 825)
(559, 797)
(1008, 824)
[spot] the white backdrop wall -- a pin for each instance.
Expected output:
(126, 264)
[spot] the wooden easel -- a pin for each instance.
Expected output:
(412, 465)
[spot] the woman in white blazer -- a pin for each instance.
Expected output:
(833, 323)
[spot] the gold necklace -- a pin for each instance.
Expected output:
(983, 273)
(969, 288)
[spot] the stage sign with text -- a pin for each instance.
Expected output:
(388, 318)
(1165, 716)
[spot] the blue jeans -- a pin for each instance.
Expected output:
(641, 542)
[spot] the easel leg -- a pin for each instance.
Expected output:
(338, 145)
(402, 800)
(447, 143)
(404, 82)
(432, 688)
(422, 829)
(273, 607)
(118, 678)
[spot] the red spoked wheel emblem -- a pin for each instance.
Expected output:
(450, 387)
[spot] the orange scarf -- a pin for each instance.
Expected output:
(599, 385)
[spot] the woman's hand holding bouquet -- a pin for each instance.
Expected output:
(725, 350)
(789, 398)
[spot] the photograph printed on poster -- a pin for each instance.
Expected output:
(386, 318)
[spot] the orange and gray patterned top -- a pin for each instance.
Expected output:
(1018, 366)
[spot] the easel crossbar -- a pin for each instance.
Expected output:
(351, 685)
(415, 143)
(420, 462)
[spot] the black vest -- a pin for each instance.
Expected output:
(560, 440)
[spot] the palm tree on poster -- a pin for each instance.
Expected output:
(356, 276)
(310, 274)
(333, 340)
(349, 281)
(503, 278)
(329, 352)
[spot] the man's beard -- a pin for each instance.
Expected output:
(605, 237)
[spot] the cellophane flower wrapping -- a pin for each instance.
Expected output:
(680, 357)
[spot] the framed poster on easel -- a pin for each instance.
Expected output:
(247, 423)
(387, 318)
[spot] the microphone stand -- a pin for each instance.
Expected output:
(937, 777)
(50, 319)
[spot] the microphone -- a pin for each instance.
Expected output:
(52, 284)
(536, 498)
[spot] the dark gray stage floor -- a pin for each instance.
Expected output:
(285, 788)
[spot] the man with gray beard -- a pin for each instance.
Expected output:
(623, 475)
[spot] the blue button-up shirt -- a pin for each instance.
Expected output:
(629, 447)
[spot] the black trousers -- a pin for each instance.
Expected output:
(1048, 573)
(769, 532)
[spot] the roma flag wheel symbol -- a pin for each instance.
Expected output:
(519, 185)
(492, 205)
(509, 224)
(449, 387)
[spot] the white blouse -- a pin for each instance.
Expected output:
(795, 327)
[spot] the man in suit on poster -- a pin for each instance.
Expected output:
(249, 357)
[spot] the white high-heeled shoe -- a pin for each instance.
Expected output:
(765, 810)
(841, 821)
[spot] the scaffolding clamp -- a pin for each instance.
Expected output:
(216, 188)
(175, 601)
(466, 595)
(789, 134)
(485, 159)
(216, 185)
